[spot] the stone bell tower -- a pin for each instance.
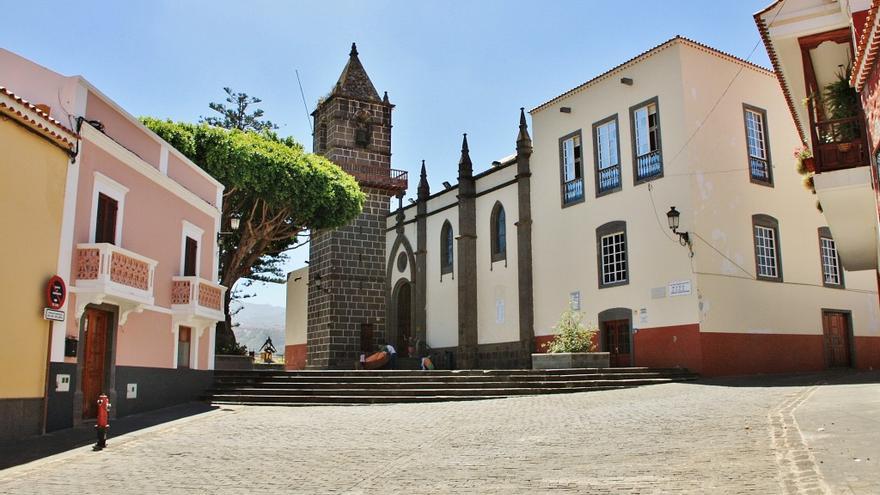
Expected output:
(347, 282)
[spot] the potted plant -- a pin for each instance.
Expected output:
(574, 346)
(805, 163)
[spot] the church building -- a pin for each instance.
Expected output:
(477, 274)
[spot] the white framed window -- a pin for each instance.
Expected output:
(765, 241)
(768, 250)
(606, 145)
(756, 143)
(571, 168)
(830, 264)
(606, 153)
(647, 158)
(614, 258)
(832, 272)
(190, 249)
(108, 207)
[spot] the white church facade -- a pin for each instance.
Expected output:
(478, 273)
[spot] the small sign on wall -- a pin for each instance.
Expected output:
(131, 391)
(681, 288)
(643, 316)
(62, 383)
(499, 311)
(53, 314)
(574, 299)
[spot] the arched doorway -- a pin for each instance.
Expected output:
(402, 317)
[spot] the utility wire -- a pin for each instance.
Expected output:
(303, 95)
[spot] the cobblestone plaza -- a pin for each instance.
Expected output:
(704, 437)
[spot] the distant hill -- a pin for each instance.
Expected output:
(258, 321)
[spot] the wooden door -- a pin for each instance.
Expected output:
(616, 338)
(836, 329)
(94, 359)
(190, 257)
(183, 346)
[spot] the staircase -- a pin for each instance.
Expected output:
(301, 388)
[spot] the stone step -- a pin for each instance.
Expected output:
(255, 399)
(434, 384)
(365, 379)
(433, 391)
(440, 373)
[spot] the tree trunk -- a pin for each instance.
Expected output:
(225, 338)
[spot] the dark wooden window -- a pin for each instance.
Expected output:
(612, 254)
(447, 248)
(832, 272)
(758, 145)
(184, 334)
(571, 168)
(498, 233)
(647, 155)
(768, 249)
(190, 257)
(606, 155)
(105, 223)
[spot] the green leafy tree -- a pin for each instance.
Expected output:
(571, 334)
(274, 188)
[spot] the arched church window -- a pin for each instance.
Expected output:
(499, 233)
(447, 245)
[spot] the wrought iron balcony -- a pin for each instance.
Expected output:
(378, 176)
(195, 297)
(840, 144)
(573, 191)
(649, 165)
(608, 179)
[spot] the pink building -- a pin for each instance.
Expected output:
(138, 252)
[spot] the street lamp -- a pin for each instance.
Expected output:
(683, 237)
(234, 222)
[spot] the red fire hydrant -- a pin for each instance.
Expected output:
(103, 421)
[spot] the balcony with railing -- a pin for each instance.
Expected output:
(573, 191)
(608, 179)
(839, 144)
(196, 298)
(378, 176)
(649, 165)
(104, 272)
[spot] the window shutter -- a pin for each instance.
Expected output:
(568, 159)
(643, 146)
(612, 143)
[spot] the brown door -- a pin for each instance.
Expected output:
(183, 346)
(836, 328)
(191, 252)
(616, 338)
(94, 359)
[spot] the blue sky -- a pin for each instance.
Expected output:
(449, 66)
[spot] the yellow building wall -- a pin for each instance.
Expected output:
(32, 178)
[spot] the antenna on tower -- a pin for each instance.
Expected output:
(303, 95)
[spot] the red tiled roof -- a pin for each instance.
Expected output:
(36, 119)
(774, 59)
(866, 51)
(648, 53)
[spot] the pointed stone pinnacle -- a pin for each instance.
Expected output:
(354, 50)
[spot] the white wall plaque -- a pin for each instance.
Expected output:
(62, 383)
(131, 391)
(575, 300)
(681, 288)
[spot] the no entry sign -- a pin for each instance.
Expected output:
(56, 292)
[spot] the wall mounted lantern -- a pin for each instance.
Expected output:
(234, 222)
(684, 238)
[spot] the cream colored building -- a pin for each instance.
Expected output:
(754, 286)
